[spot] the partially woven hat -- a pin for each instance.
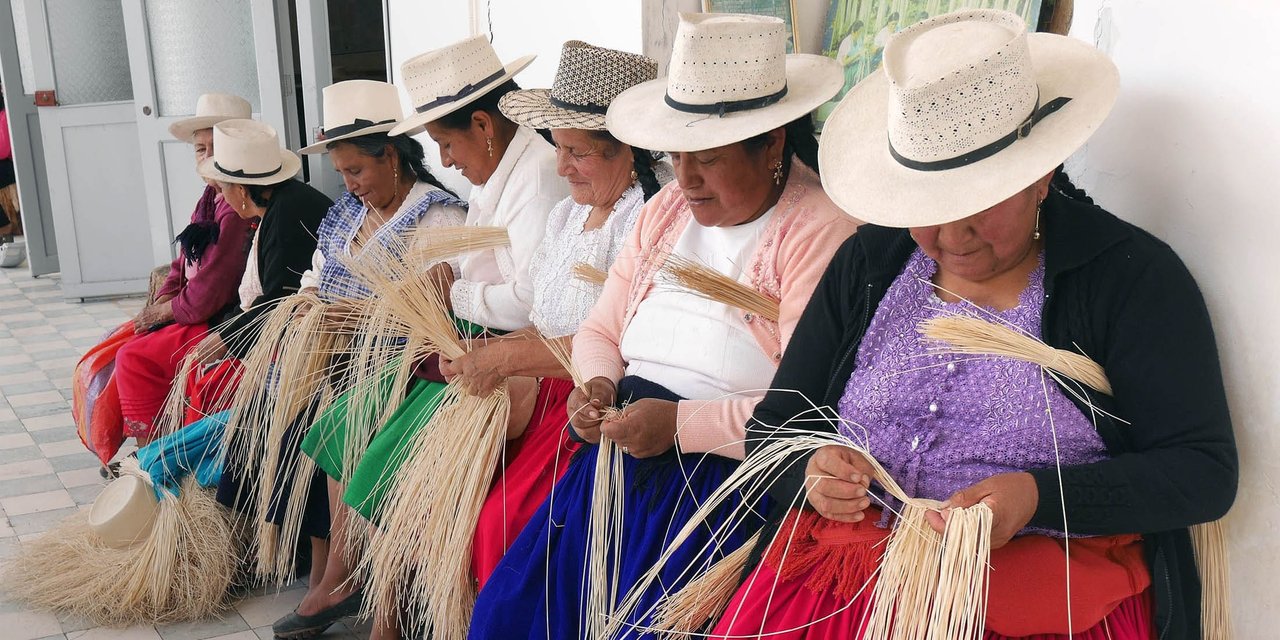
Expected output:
(444, 80)
(967, 110)
(356, 108)
(587, 81)
(730, 79)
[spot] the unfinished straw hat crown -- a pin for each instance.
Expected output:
(248, 152)
(727, 62)
(211, 108)
(444, 80)
(587, 81)
(356, 108)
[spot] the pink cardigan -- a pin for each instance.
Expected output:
(803, 235)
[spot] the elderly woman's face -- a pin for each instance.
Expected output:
(729, 185)
(467, 150)
(372, 180)
(987, 244)
(203, 144)
(598, 171)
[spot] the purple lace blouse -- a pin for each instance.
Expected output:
(940, 423)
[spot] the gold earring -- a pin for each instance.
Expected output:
(1036, 234)
(777, 172)
(396, 178)
(634, 176)
(490, 143)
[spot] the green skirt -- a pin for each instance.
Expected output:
(327, 439)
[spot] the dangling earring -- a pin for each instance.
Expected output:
(1036, 234)
(490, 142)
(396, 177)
(634, 176)
(777, 172)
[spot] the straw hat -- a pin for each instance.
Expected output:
(587, 80)
(967, 110)
(124, 512)
(248, 152)
(446, 79)
(356, 108)
(211, 109)
(730, 79)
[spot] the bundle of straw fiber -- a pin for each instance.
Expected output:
(976, 336)
(180, 572)
(589, 273)
(713, 285)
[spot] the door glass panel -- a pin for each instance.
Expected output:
(200, 47)
(90, 59)
(19, 10)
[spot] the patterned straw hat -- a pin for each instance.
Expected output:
(967, 110)
(446, 79)
(248, 152)
(356, 108)
(211, 109)
(730, 79)
(588, 79)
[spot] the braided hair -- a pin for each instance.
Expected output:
(412, 155)
(1061, 183)
(801, 141)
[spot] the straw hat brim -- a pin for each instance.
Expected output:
(532, 108)
(641, 117)
(185, 129)
(861, 176)
(418, 120)
(323, 145)
(290, 163)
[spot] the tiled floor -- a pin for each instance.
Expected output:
(45, 473)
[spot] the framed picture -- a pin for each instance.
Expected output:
(857, 30)
(785, 9)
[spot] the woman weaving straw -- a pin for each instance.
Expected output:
(748, 204)
(609, 182)
(513, 171)
(971, 215)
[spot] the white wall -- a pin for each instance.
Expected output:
(1192, 154)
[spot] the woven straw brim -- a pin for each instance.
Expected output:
(323, 145)
(290, 163)
(532, 108)
(641, 118)
(421, 119)
(861, 176)
(185, 130)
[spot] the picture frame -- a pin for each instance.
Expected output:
(784, 9)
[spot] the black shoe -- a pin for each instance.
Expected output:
(112, 471)
(296, 626)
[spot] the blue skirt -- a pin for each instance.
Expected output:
(538, 590)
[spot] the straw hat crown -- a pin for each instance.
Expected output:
(725, 58)
(357, 108)
(248, 152)
(441, 81)
(211, 108)
(587, 81)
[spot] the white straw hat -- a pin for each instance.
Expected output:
(587, 81)
(124, 512)
(967, 110)
(211, 109)
(248, 152)
(356, 108)
(730, 79)
(442, 81)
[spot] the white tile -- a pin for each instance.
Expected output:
(107, 633)
(16, 358)
(39, 397)
(80, 478)
(40, 347)
(266, 609)
(242, 635)
(15, 378)
(15, 440)
(6, 531)
(25, 469)
(29, 625)
(39, 330)
(37, 502)
(49, 422)
(63, 448)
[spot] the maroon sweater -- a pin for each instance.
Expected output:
(216, 283)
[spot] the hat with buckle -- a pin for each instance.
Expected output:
(730, 79)
(248, 152)
(587, 80)
(967, 110)
(446, 79)
(211, 109)
(356, 108)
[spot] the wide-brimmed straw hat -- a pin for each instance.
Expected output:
(356, 108)
(587, 80)
(211, 109)
(730, 79)
(967, 110)
(442, 81)
(248, 152)
(124, 512)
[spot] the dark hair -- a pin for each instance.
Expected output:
(412, 155)
(1061, 183)
(801, 142)
(258, 192)
(460, 120)
(641, 162)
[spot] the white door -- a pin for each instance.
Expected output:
(18, 76)
(179, 49)
(90, 139)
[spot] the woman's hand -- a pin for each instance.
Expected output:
(586, 409)
(837, 478)
(158, 313)
(480, 371)
(441, 276)
(645, 428)
(1013, 498)
(210, 350)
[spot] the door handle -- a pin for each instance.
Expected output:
(146, 110)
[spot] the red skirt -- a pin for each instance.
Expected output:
(533, 463)
(145, 369)
(821, 588)
(211, 390)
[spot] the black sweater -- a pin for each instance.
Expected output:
(286, 240)
(1115, 293)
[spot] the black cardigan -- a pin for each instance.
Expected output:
(1122, 297)
(286, 241)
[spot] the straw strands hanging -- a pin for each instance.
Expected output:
(713, 285)
(589, 273)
